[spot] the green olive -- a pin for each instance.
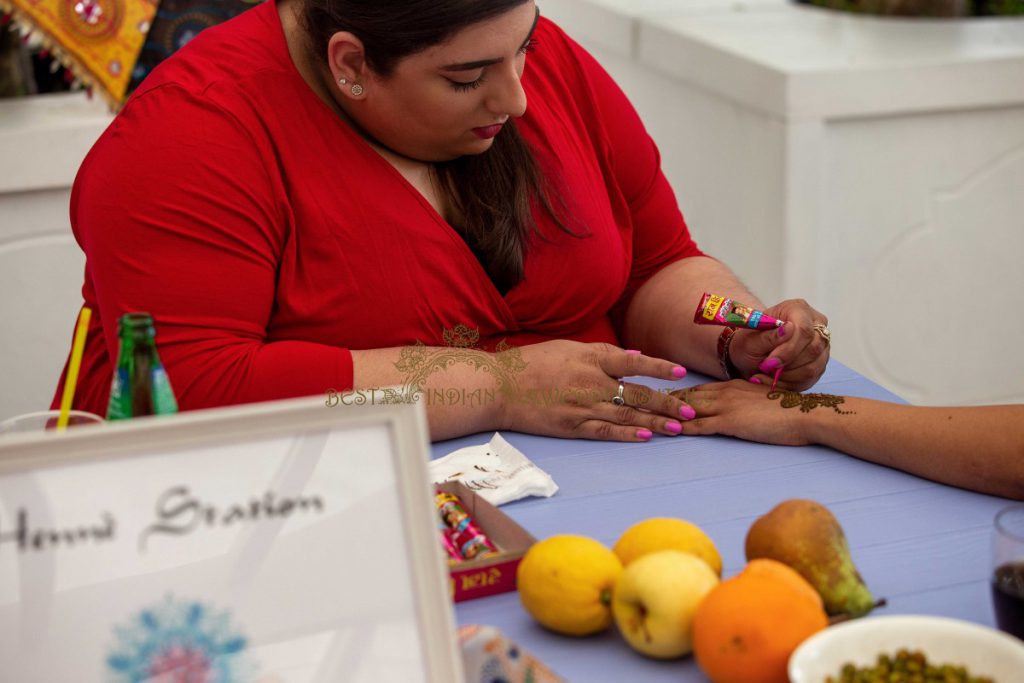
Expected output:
(905, 667)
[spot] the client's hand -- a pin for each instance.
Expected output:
(800, 347)
(975, 447)
(571, 389)
(744, 410)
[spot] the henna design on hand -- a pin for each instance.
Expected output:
(690, 397)
(808, 402)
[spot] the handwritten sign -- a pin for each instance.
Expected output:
(275, 543)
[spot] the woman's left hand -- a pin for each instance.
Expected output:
(800, 347)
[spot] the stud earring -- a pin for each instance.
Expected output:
(357, 90)
(342, 81)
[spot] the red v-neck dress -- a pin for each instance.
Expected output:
(268, 239)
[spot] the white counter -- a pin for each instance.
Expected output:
(873, 166)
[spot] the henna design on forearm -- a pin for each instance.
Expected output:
(808, 402)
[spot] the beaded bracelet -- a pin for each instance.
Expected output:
(724, 341)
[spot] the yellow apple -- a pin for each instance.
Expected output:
(655, 599)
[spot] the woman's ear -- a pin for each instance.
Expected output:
(347, 61)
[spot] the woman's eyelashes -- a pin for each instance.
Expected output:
(462, 86)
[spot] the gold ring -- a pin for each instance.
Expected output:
(618, 398)
(823, 330)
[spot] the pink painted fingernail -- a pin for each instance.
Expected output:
(679, 372)
(633, 352)
(782, 330)
(687, 413)
(644, 434)
(755, 380)
(673, 426)
(769, 364)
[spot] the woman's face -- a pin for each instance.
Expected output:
(451, 99)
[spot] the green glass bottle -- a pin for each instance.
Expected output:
(140, 385)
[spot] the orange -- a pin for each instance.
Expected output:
(747, 627)
(773, 569)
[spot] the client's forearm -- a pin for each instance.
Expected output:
(980, 448)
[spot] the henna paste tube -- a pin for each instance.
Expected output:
(460, 530)
(718, 310)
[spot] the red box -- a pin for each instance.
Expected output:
(490, 575)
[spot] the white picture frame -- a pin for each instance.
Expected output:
(272, 559)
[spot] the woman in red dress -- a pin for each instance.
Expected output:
(326, 196)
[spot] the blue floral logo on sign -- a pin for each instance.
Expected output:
(179, 641)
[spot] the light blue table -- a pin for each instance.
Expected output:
(923, 546)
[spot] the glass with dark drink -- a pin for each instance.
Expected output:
(1008, 570)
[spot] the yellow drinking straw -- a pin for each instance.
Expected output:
(76, 361)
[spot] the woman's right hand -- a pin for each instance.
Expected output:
(566, 389)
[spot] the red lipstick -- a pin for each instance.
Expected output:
(487, 132)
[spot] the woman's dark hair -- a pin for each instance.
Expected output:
(495, 191)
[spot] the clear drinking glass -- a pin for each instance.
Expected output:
(1008, 569)
(46, 420)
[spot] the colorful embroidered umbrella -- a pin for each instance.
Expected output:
(176, 23)
(110, 45)
(98, 40)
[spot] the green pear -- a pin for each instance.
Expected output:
(806, 536)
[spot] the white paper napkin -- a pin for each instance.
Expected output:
(497, 470)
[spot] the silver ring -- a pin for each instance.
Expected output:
(618, 398)
(823, 330)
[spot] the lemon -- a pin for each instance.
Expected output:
(667, 533)
(565, 582)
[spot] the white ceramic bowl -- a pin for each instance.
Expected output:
(983, 650)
